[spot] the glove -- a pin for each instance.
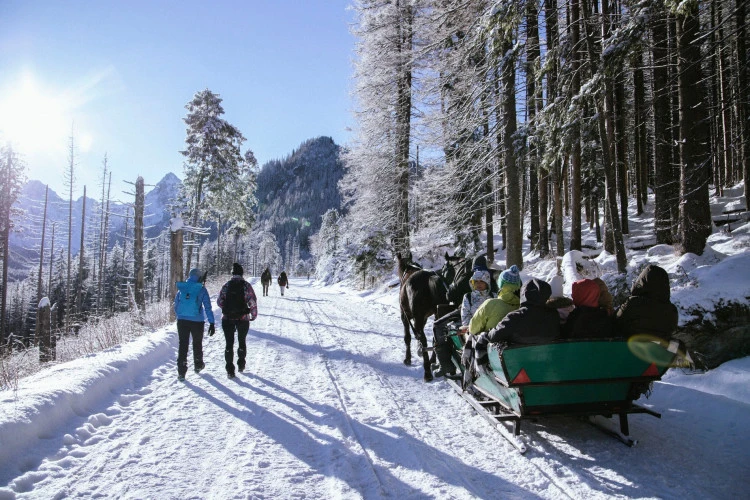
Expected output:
(211, 330)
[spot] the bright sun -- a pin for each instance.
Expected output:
(33, 118)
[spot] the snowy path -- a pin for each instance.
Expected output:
(326, 409)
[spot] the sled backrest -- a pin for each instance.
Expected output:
(581, 372)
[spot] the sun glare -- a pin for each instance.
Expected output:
(33, 118)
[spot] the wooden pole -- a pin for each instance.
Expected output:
(175, 263)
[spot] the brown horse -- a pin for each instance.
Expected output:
(420, 294)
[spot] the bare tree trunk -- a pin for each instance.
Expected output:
(51, 259)
(538, 177)
(620, 152)
(514, 253)
(70, 179)
(497, 76)
(662, 134)
(79, 288)
(4, 244)
(726, 109)
(41, 260)
(742, 97)
(140, 297)
(575, 157)
(695, 215)
(555, 179)
(403, 122)
(639, 133)
(609, 169)
(105, 243)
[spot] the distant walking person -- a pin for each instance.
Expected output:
(282, 281)
(239, 307)
(265, 280)
(190, 304)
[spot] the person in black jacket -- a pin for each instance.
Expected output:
(589, 320)
(283, 282)
(265, 280)
(533, 323)
(648, 310)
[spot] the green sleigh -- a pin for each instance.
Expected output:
(577, 377)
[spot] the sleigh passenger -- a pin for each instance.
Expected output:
(481, 292)
(531, 324)
(492, 311)
(589, 320)
(648, 310)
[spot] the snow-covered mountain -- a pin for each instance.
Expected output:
(26, 237)
(295, 192)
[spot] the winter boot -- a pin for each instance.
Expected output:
(200, 367)
(447, 367)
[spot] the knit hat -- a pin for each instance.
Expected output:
(480, 276)
(585, 293)
(195, 273)
(237, 269)
(511, 275)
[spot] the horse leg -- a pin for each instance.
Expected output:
(422, 339)
(407, 339)
(419, 333)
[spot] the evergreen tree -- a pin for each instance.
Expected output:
(216, 173)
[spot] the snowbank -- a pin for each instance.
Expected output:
(44, 400)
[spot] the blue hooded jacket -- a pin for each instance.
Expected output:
(192, 285)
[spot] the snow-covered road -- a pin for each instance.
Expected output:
(326, 409)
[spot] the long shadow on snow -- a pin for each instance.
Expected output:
(399, 334)
(392, 445)
(398, 368)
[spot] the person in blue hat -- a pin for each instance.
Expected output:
(191, 304)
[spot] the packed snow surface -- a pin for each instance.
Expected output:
(326, 409)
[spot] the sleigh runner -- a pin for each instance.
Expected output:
(594, 378)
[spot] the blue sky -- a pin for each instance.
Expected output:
(121, 72)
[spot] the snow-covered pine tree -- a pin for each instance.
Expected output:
(217, 176)
(377, 182)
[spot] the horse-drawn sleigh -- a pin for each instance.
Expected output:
(592, 378)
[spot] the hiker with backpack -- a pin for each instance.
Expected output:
(283, 282)
(265, 280)
(239, 307)
(190, 304)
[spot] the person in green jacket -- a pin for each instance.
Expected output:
(492, 311)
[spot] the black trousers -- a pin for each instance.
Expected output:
(185, 330)
(441, 339)
(241, 327)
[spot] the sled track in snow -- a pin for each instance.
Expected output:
(311, 312)
(307, 310)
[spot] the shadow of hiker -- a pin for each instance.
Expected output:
(381, 448)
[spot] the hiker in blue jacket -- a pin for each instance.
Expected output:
(190, 305)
